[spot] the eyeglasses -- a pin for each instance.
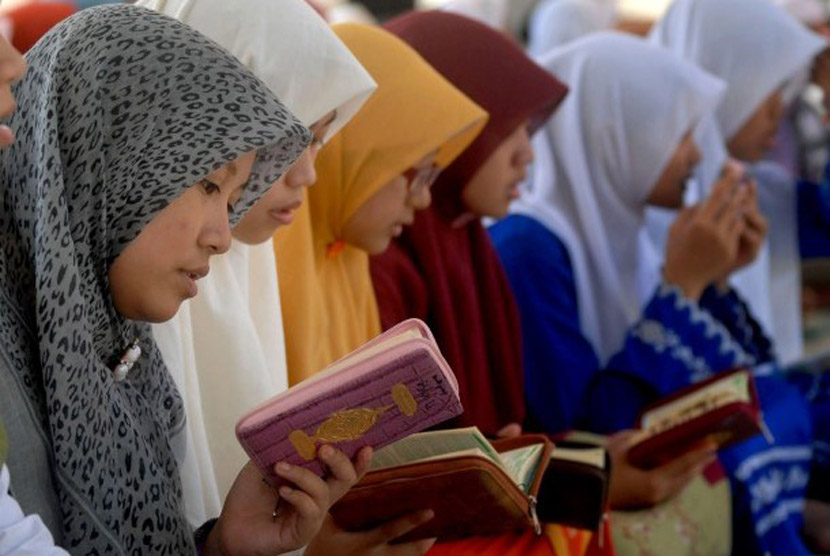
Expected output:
(421, 179)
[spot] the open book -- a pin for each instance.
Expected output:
(723, 408)
(519, 464)
(475, 486)
(393, 386)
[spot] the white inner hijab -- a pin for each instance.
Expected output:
(756, 48)
(598, 159)
(226, 347)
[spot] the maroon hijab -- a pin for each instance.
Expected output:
(451, 276)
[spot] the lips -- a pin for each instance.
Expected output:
(191, 276)
(284, 215)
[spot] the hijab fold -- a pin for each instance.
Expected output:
(120, 112)
(329, 306)
(448, 275)
(226, 347)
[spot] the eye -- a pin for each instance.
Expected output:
(209, 187)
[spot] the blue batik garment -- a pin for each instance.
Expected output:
(677, 342)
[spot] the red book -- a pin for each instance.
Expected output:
(724, 408)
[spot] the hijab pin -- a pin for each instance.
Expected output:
(127, 361)
(335, 248)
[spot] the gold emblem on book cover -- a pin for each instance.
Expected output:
(351, 424)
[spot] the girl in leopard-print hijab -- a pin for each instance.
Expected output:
(139, 142)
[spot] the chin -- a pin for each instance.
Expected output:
(257, 236)
(378, 247)
(159, 312)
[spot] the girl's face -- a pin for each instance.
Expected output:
(669, 190)
(496, 183)
(383, 216)
(158, 270)
(276, 208)
(757, 135)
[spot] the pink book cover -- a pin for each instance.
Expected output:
(393, 386)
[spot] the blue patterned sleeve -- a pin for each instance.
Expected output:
(728, 308)
(676, 343)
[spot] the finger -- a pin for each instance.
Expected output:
(305, 506)
(757, 222)
(689, 461)
(685, 216)
(732, 223)
(510, 431)
(620, 441)
(306, 481)
(399, 527)
(363, 461)
(722, 193)
(343, 475)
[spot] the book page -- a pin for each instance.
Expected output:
(731, 389)
(588, 456)
(521, 464)
(432, 444)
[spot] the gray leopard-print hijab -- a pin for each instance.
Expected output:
(121, 110)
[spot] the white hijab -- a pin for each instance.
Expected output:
(600, 156)
(757, 48)
(557, 22)
(226, 348)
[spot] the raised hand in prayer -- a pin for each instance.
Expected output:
(633, 488)
(256, 520)
(704, 241)
(754, 233)
(333, 540)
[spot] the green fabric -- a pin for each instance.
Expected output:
(695, 522)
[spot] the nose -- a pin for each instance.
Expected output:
(12, 69)
(524, 153)
(216, 234)
(303, 173)
(421, 199)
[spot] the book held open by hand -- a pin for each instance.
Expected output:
(724, 409)
(393, 386)
(475, 486)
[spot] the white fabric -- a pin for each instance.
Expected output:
(226, 347)
(783, 262)
(756, 48)
(22, 535)
(607, 145)
(557, 22)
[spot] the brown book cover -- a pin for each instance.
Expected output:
(723, 408)
(470, 495)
